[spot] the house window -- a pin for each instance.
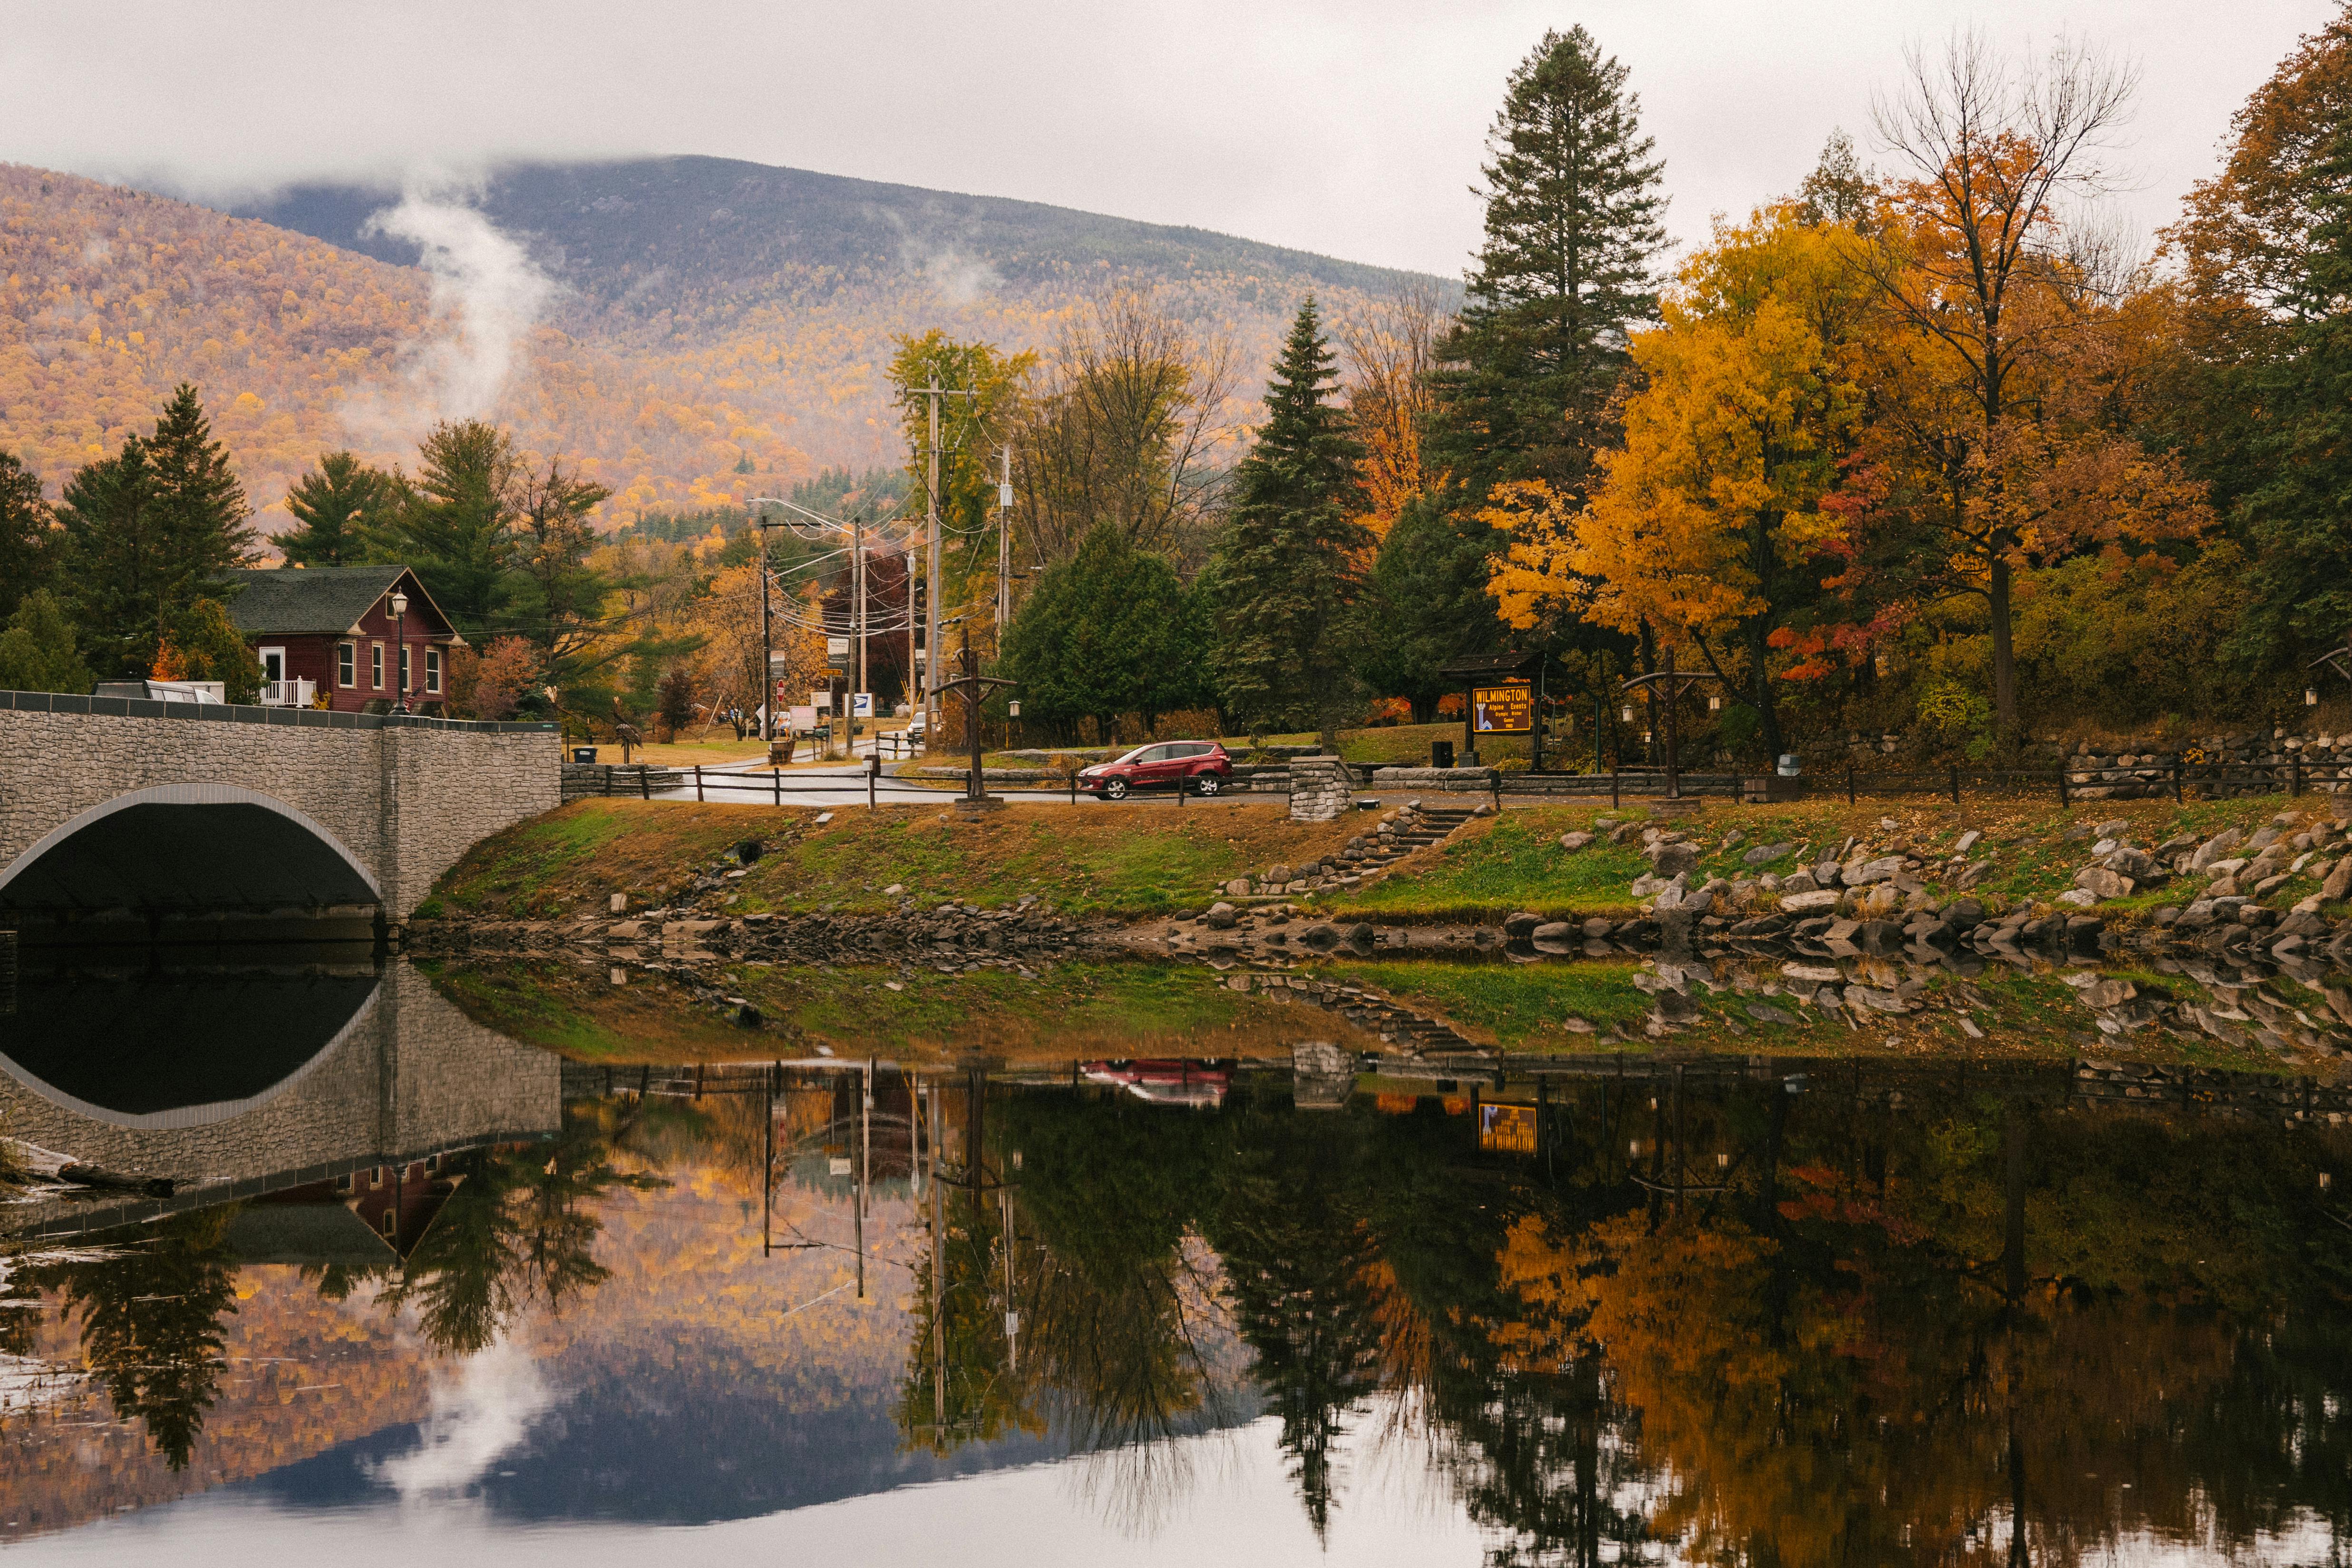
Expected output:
(432, 670)
(375, 665)
(347, 660)
(403, 670)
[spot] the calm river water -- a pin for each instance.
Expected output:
(339, 1275)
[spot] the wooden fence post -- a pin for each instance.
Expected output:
(1616, 788)
(873, 775)
(1849, 783)
(645, 781)
(1956, 784)
(2064, 801)
(698, 783)
(608, 779)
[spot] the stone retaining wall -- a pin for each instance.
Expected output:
(1319, 788)
(583, 779)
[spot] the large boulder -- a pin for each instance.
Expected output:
(2102, 883)
(2339, 885)
(2216, 848)
(1861, 873)
(1573, 841)
(1815, 899)
(1673, 859)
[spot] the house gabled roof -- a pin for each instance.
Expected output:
(291, 600)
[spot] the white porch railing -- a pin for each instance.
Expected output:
(289, 693)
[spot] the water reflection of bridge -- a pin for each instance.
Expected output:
(225, 1087)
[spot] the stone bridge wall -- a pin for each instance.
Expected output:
(414, 1076)
(406, 795)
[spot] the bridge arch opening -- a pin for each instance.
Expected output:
(177, 1050)
(186, 849)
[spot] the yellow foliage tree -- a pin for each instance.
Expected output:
(1704, 521)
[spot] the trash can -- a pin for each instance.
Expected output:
(1441, 753)
(584, 753)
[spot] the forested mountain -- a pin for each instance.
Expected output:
(645, 235)
(718, 329)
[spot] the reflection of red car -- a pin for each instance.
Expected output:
(1165, 1081)
(1200, 767)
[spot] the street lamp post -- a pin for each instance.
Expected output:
(400, 641)
(1670, 684)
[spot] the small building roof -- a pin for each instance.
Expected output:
(294, 600)
(1479, 665)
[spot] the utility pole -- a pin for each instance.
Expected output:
(931, 578)
(858, 614)
(1004, 550)
(767, 650)
(930, 651)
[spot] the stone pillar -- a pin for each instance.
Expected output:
(1319, 790)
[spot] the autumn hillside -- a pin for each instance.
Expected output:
(777, 291)
(108, 296)
(717, 328)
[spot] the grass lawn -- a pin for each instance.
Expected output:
(1072, 1011)
(1081, 860)
(1513, 861)
(721, 747)
(1494, 866)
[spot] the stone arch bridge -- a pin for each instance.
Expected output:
(124, 807)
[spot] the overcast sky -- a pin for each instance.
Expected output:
(1353, 127)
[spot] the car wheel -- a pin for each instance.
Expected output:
(1114, 790)
(1208, 783)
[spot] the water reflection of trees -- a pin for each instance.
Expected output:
(1796, 1329)
(1878, 1364)
(518, 1230)
(151, 1301)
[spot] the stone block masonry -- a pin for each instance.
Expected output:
(401, 796)
(411, 1075)
(1319, 790)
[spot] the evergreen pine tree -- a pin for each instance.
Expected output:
(2300, 514)
(341, 504)
(197, 507)
(1109, 632)
(1572, 205)
(150, 532)
(28, 550)
(1431, 580)
(37, 651)
(1286, 580)
(455, 526)
(112, 570)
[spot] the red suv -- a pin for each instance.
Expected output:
(1200, 767)
(1168, 1081)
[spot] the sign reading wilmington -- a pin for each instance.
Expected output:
(1502, 710)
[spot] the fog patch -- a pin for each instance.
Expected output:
(487, 294)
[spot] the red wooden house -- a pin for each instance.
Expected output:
(338, 636)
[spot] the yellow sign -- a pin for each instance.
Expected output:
(1506, 1128)
(1502, 710)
